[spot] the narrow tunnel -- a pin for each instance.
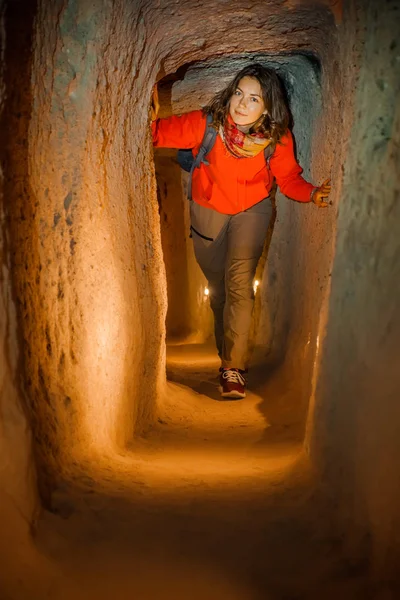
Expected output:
(122, 474)
(189, 324)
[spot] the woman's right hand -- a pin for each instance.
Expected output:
(320, 193)
(155, 105)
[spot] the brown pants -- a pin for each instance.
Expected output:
(228, 248)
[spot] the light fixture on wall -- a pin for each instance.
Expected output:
(255, 285)
(206, 292)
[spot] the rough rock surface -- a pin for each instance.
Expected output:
(84, 245)
(355, 427)
(189, 316)
(18, 494)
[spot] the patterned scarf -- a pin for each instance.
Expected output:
(240, 144)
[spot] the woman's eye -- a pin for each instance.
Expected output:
(237, 93)
(255, 99)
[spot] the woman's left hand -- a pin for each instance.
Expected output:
(321, 192)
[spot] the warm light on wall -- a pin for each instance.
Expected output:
(255, 285)
(105, 344)
(206, 291)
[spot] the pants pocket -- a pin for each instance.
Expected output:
(206, 224)
(204, 237)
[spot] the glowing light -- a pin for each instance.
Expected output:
(255, 285)
(206, 292)
(103, 370)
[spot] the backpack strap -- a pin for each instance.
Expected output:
(268, 152)
(210, 135)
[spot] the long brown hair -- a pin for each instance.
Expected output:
(274, 124)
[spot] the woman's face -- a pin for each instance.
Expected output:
(247, 105)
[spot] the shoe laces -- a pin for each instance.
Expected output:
(233, 376)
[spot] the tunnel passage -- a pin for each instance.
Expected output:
(276, 369)
(85, 232)
(191, 88)
(83, 309)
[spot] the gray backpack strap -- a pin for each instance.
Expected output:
(268, 152)
(207, 144)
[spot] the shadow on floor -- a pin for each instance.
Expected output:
(252, 539)
(206, 506)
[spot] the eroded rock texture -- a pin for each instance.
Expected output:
(87, 259)
(356, 426)
(83, 237)
(18, 498)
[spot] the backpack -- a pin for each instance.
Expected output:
(189, 163)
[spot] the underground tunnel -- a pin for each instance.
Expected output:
(122, 474)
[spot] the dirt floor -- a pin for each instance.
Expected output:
(216, 502)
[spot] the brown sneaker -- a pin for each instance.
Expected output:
(232, 384)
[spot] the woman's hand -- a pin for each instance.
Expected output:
(321, 192)
(155, 106)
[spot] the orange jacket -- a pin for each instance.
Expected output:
(228, 184)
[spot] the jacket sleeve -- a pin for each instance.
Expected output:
(185, 131)
(287, 171)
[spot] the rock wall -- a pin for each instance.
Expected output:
(354, 430)
(189, 317)
(84, 247)
(18, 498)
(84, 229)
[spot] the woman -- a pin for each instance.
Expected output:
(231, 210)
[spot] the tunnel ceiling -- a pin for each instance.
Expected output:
(193, 88)
(190, 32)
